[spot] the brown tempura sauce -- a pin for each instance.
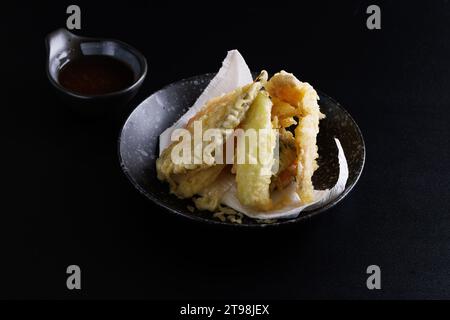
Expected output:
(95, 75)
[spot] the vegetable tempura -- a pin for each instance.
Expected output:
(286, 114)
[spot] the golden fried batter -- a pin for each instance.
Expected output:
(280, 103)
(222, 113)
(301, 95)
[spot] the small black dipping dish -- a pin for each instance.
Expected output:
(94, 76)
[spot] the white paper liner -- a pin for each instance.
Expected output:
(235, 73)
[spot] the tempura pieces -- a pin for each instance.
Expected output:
(257, 114)
(287, 166)
(192, 182)
(222, 113)
(253, 176)
(302, 96)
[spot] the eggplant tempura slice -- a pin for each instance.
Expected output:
(221, 113)
(253, 174)
(302, 96)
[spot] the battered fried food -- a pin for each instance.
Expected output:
(302, 96)
(186, 185)
(281, 103)
(221, 113)
(287, 168)
(253, 177)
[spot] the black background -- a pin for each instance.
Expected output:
(66, 200)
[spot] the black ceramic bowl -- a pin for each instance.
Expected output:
(64, 46)
(139, 148)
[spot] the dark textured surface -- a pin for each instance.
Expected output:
(139, 147)
(67, 201)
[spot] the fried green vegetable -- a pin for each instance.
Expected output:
(254, 169)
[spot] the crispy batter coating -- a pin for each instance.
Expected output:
(282, 103)
(222, 113)
(302, 96)
(287, 169)
(253, 179)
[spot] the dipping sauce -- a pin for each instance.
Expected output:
(95, 75)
